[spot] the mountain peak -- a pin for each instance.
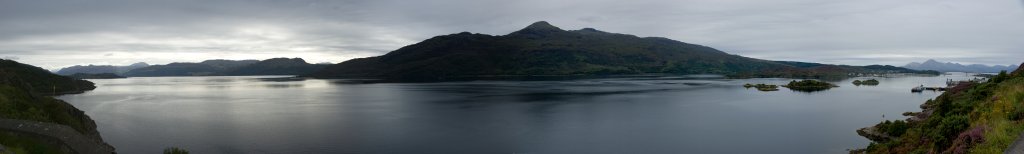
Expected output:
(139, 64)
(540, 27)
(285, 60)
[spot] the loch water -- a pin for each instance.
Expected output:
(250, 114)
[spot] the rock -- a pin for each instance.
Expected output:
(872, 134)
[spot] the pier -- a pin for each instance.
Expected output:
(923, 88)
(949, 84)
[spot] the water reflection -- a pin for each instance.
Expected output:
(282, 79)
(283, 85)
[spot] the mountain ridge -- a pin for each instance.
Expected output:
(932, 64)
(100, 69)
(273, 66)
(545, 50)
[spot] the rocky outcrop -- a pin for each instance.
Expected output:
(872, 134)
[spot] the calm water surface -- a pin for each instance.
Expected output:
(631, 115)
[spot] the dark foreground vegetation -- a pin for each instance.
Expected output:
(972, 117)
(25, 95)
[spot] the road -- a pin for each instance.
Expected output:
(73, 139)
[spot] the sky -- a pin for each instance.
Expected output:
(59, 33)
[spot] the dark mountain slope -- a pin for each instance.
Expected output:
(39, 80)
(542, 49)
(545, 50)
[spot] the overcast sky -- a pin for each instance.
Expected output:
(59, 33)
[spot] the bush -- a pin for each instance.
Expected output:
(175, 150)
(950, 126)
(1000, 78)
(893, 128)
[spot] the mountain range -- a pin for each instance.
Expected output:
(273, 66)
(100, 69)
(931, 64)
(542, 49)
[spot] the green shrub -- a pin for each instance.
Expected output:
(949, 128)
(175, 150)
(893, 128)
(1000, 78)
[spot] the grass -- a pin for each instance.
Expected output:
(998, 116)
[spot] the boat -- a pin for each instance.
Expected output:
(917, 89)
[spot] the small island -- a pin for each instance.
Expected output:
(871, 82)
(809, 85)
(762, 87)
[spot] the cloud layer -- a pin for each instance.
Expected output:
(55, 34)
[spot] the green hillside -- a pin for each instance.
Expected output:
(971, 117)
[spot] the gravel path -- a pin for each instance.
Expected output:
(73, 139)
(1017, 147)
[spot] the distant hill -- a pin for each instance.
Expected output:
(542, 49)
(274, 66)
(957, 67)
(228, 64)
(828, 71)
(99, 69)
(95, 76)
